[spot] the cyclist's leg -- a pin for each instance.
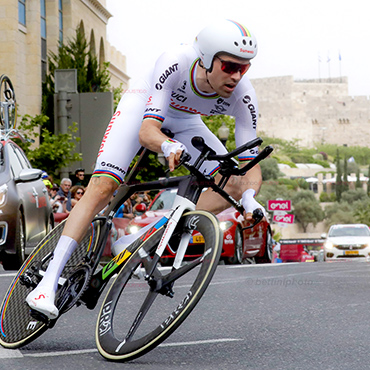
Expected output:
(119, 146)
(17, 324)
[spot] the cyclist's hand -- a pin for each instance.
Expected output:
(250, 204)
(172, 150)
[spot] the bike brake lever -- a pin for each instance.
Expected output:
(257, 216)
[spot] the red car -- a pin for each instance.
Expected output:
(238, 245)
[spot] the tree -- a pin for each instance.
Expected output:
(362, 212)
(345, 185)
(354, 195)
(339, 213)
(307, 209)
(90, 76)
(54, 151)
(358, 181)
(339, 183)
(270, 169)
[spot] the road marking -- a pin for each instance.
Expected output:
(209, 341)
(16, 353)
(8, 275)
(10, 353)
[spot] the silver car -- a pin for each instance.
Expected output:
(25, 212)
(347, 241)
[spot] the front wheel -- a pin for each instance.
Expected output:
(139, 313)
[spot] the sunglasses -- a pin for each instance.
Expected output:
(79, 192)
(231, 67)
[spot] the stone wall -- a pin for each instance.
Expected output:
(312, 111)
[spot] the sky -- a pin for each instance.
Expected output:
(303, 39)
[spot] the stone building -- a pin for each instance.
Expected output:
(313, 111)
(30, 28)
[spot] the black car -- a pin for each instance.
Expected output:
(25, 212)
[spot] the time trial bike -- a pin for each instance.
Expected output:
(145, 303)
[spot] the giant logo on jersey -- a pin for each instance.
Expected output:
(163, 77)
(247, 100)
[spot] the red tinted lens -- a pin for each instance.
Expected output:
(231, 67)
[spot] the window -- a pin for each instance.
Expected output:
(15, 164)
(22, 12)
(60, 22)
(43, 40)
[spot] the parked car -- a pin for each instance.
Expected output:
(347, 241)
(238, 244)
(25, 212)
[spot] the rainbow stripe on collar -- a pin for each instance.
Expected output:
(193, 85)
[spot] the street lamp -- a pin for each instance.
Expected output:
(223, 133)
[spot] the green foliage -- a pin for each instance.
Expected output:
(360, 154)
(215, 122)
(307, 209)
(354, 195)
(339, 184)
(54, 151)
(270, 169)
(339, 213)
(362, 212)
(294, 184)
(325, 197)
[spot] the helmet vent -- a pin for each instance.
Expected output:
(250, 43)
(235, 43)
(244, 42)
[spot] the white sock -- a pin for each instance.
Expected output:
(62, 252)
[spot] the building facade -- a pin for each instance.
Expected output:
(313, 111)
(29, 29)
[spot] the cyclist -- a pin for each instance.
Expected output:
(205, 78)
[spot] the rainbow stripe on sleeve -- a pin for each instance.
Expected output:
(156, 117)
(245, 158)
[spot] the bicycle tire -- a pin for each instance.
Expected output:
(17, 326)
(121, 299)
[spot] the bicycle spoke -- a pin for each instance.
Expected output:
(176, 274)
(149, 300)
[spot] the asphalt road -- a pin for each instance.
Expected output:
(282, 316)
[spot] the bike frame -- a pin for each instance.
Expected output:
(189, 187)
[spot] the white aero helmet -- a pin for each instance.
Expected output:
(225, 36)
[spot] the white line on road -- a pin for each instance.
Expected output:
(16, 353)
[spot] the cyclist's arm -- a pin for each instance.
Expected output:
(151, 137)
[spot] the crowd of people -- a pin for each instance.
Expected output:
(64, 197)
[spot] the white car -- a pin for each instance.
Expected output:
(347, 241)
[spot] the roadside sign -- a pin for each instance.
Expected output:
(284, 219)
(279, 205)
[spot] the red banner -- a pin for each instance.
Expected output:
(285, 219)
(279, 205)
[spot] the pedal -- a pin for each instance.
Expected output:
(26, 280)
(39, 316)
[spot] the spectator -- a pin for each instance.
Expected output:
(80, 177)
(147, 198)
(77, 192)
(127, 211)
(54, 198)
(46, 181)
(65, 193)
